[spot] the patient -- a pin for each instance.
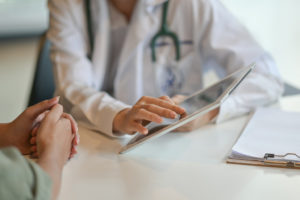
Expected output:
(48, 134)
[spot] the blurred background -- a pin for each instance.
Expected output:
(275, 24)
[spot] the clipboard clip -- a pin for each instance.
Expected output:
(279, 160)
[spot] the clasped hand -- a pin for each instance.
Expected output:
(42, 123)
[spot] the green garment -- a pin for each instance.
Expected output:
(22, 179)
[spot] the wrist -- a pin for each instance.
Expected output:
(49, 163)
(117, 122)
(51, 158)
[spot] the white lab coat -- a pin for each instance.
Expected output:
(215, 40)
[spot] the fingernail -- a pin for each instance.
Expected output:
(54, 100)
(173, 115)
(160, 120)
(145, 132)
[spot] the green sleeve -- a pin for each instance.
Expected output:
(22, 179)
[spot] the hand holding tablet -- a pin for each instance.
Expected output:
(202, 103)
(146, 110)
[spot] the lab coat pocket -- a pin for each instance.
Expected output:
(178, 77)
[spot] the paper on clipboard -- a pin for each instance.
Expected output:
(269, 131)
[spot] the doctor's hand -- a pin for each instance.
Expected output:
(197, 123)
(147, 109)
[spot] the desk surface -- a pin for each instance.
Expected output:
(175, 166)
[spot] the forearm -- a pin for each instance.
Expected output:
(53, 168)
(21, 178)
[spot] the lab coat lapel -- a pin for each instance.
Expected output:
(128, 81)
(101, 26)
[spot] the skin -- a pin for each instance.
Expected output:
(55, 137)
(126, 7)
(54, 143)
(33, 140)
(17, 132)
(149, 109)
(197, 123)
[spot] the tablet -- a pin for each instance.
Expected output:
(195, 105)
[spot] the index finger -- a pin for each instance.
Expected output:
(168, 99)
(165, 104)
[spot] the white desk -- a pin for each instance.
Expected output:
(176, 166)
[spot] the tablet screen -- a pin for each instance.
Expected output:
(208, 96)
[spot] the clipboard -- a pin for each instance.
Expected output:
(270, 139)
(269, 160)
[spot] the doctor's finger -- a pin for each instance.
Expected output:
(168, 99)
(143, 114)
(163, 112)
(137, 127)
(164, 104)
(178, 98)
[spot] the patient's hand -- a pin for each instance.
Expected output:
(54, 144)
(17, 133)
(74, 127)
(197, 123)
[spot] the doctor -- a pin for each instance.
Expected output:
(101, 73)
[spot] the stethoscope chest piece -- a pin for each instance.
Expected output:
(169, 78)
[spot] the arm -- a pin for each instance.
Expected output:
(22, 179)
(77, 80)
(21, 132)
(54, 142)
(227, 44)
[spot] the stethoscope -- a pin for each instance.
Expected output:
(163, 32)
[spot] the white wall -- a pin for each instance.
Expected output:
(276, 25)
(23, 17)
